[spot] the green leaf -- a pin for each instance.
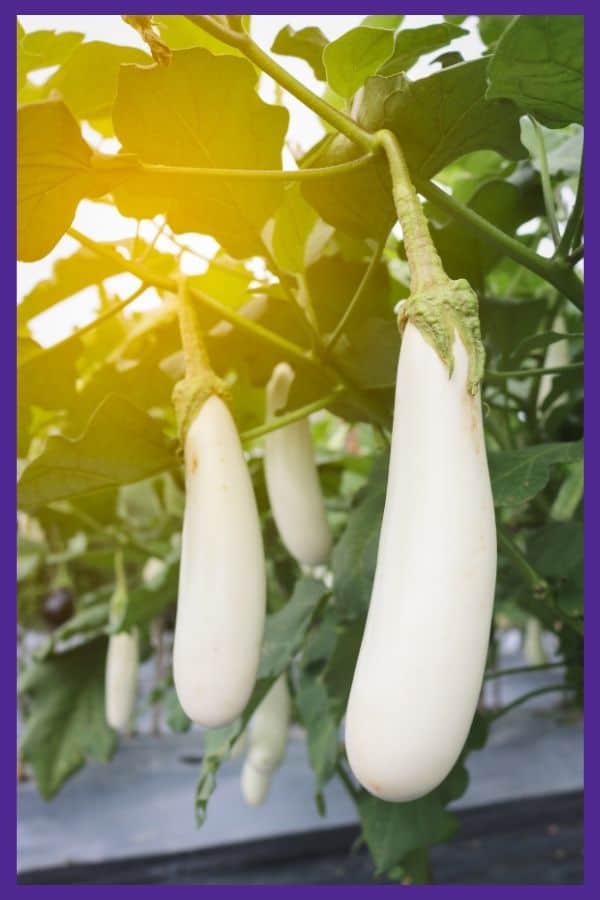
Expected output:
(413, 43)
(42, 49)
(354, 56)
(87, 81)
(120, 445)
(55, 172)
(201, 111)
(518, 475)
(492, 27)
(70, 275)
(563, 147)
(391, 22)
(284, 634)
(437, 119)
(66, 723)
(294, 221)
(181, 34)
(446, 114)
(285, 630)
(306, 43)
(175, 717)
(47, 376)
(355, 554)
(321, 726)
(393, 830)
(556, 549)
(538, 63)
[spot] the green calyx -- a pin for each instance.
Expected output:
(441, 310)
(190, 394)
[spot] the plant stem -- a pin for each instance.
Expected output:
(574, 220)
(554, 271)
(301, 413)
(258, 174)
(527, 373)
(358, 295)
(519, 670)
(517, 557)
(196, 358)
(424, 262)
(546, 183)
(525, 697)
(574, 257)
(339, 120)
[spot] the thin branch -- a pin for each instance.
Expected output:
(301, 413)
(560, 275)
(521, 670)
(551, 688)
(532, 373)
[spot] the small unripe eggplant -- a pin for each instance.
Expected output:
(267, 740)
(121, 679)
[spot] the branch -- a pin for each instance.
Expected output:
(532, 373)
(525, 697)
(574, 219)
(258, 174)
(555, 272)
(294, 416)
(546, 183)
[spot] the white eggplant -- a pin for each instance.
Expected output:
(533, 645)
(121, 679)
(267, 740)
(222, 584)
(293, 480)
(423, 654)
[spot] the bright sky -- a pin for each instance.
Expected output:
(105, 223)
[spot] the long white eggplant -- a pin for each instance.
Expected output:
(222, 585)
(121, 679)
(423, 653)
(267, 740)
(293, 480)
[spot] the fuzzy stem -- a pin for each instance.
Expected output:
(425, 265)
(196, 358)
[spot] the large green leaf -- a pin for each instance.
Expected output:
(66, 722)
(293, 224)
(321, 727)
(446, 114)
(437, 119)
(201, 111)
(120, 445)
(518, 475)
(354, 56)
(394, 830)
(55, 171)
(306, 43)
(87, 81)
(538, 63)
(412, 43)
(355, 554)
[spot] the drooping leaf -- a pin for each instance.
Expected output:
(201, 111)
(120, 445)
(351, 58)
(43, 49)
(355, 554)
(563, 147)
(518, 475)
(55, 171)
(306, 43)
(412, 43)
(294, 221)
(321, 727)
(538, 64)
(66, 722)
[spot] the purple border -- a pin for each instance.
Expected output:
(7, 379)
